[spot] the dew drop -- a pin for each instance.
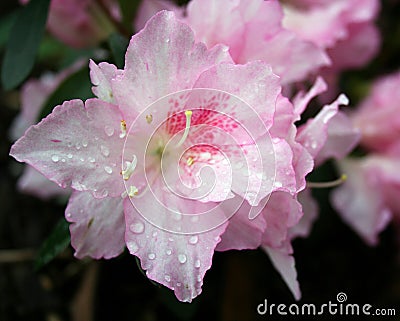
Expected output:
(68, 215)
(167, 278)
(78, 146)
(167, 40)
(179, 284)
(109, 130)
(91, 159)
(278, 184)
(169, 252)
(154, 233)
(182, 258)
(55, 158)
(108, 169)
(63, 160)
(314, 145)
(69, 156)
(69, 144)
(199, 278)
(104, 193)
(151, 256)
(105, 151)
(197, 264)
(133, 247)
(84, 143)
(137, 227)
(194, 239)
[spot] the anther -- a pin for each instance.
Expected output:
(130, 167)
(133, 191)
(190, 161)
(188, 114)
(123, 129)
(149, 118)
(334, 183)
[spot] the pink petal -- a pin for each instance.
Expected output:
(34, 183)
(360, 200)
(282, 212)
(161, 59)
(98, 226)
(254, 83)
(284, 263)
(301, 100)
(242, 233)
(77, 146)
(310, 214)
(314, 134)
(342, 138)
(178, 261)
(101, 76)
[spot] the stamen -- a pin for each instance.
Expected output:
(190, 161)
(334, 183)
(149, 118)
(133, 191)
(188, 114)
(123, 129)
(130, 167)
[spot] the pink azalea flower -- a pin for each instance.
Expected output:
(346, 31)
(81, 23)
(369, 198)
(181, 153)
(377, 116)
(253, 31)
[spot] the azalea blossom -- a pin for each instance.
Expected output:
(182, 153)
(252, 29)
(369, 199)
(346, 32)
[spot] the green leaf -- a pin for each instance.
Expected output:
(57, 242)
(5, 27)
(118, 45)
(76, 86)
(23, 43)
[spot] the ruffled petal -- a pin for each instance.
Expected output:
(98, 227)
(77, 146)
(161, 59)
(177, 260)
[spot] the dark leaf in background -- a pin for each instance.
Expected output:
(76, 86)
(57, 242)
(118, 45)
(23, 43)
(6, 24)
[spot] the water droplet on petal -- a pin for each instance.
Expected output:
(199, 278)
(167, 278)
(91, 159)
(169, 252)
(55, 158)
(155, 233)
(84, 142)
(108, 169)
(105, 151)
(63, 160)
(182, 258)
(278, 184)
(68, 215)
(109, 130)
(194, 239)
(314, 145)
(137, 227)
(69, 156)
(133, 247)
(78, 146)
(151, 256)
(197, 264)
